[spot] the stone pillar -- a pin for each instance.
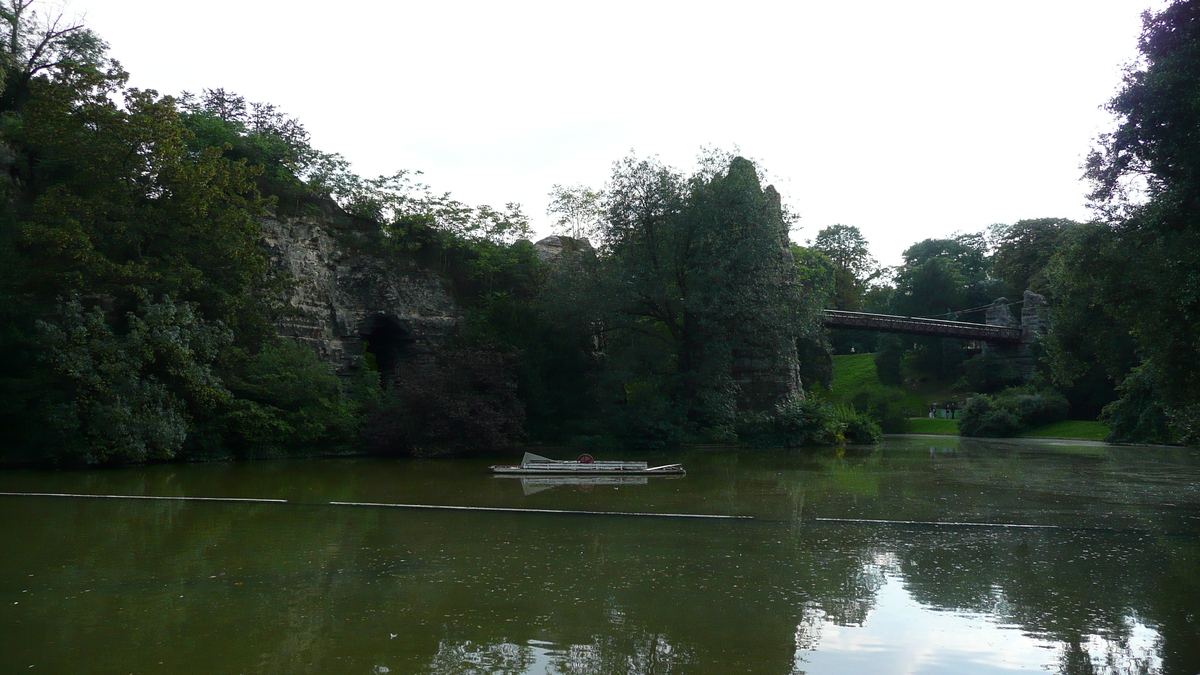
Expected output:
(998, 314)
(1035, 320)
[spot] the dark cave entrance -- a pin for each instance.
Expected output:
(390, 344)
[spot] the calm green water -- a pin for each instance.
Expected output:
(139, 586)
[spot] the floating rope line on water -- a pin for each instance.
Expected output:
(400, 506)
(553, 511)
(936, 523)
(174, 499)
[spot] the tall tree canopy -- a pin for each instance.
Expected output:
(694, 279)
(1024, 249)
(132, 267)
(847, 249)
(1141, 272)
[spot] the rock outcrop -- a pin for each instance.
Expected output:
(1034, 322)
(344, 297)
(551, 249)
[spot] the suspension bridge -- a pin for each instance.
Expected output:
(909, 325)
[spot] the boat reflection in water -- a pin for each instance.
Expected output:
(532, 485)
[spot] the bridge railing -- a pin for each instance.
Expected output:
(833, 318)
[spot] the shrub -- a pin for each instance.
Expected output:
(287, 402)
(858, 427)
(805, 421)
(982, 416)
(1137, 416)
(1012, 411)
(1035, 408)
(881, 406)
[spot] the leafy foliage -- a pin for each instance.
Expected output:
(130, 397)
(693, 273)
(1024, 249)
(1134, 280)
(579, 211)
(802, 422)
(285, 402)
(1137, 416)
(1012, 411)
(983, 416)
(847, 249)
(38, 45)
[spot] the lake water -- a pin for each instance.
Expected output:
(904, 558)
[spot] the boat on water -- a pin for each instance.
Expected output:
(536, 465)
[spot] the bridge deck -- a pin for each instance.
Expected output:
(917, 326)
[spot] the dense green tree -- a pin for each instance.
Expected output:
(113, 202)
(932, 287)
(126, 252)
(816, 274)
(39, 44)
(964, 256)
(941, 278)
(968, 252)
(853, 270)
(257, 133)
(283, 401)
(578, 210)
(129, 396)
(694, 274)
(1140, 272)
(847, 249)
(1024, 249)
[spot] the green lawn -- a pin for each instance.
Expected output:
(854, 373)
(1089, 431)
(924, 425)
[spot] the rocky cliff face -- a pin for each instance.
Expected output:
(344, 298)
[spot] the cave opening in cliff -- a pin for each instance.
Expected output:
(390, 344)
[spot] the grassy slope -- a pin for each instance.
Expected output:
(854, 373)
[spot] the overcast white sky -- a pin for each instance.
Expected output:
(907, 119)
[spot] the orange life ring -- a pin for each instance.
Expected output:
(586, 459)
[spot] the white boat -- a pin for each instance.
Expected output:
(536, 465)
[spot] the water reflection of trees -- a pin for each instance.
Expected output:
(341, 590)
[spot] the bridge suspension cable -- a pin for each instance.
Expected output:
(959, 312)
